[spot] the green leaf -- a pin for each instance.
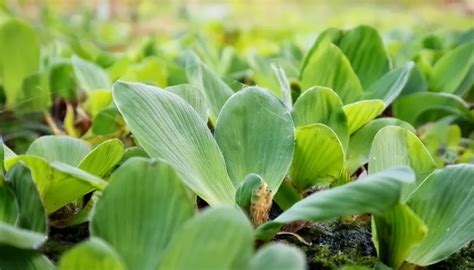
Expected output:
(151, 70)
(451, 69)
(101, 160)
(32, 215)
(329, 67)
(218, 238)
(107, 121)
(395, 233)
(396, 146)
(193, 96)
(93, 254)
(365, 50)
(284, 84)
(418, 107)
(361, 141)
(318, 158)
(255, 134)
(389, 87)
(333, 35)
(19, 259)
(361, 112)
(246, 191)
(448, 219)
(78, 176)
(97, 101)
(89, 76)
(373, 194)
(214, 88)
(19, 58)
(8, 205)
(144, 204)
(168, 128)
(36, 93)
(322, 105)
(59, 148)
(20, 238)
(264, 75)
(278, 256)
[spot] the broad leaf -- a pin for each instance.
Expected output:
(445, 202)
(93, 254)
(365, 50)
(284, 86)
(8, 205)
(373, 194)
(361, 112)
(321, 105)
(89, 76)
(255, 134)
(396, 146)
(333, 35)
(219, 238)
(102, 158)
(20, 238)
(318, 157)
(329, 67)
(278, 256)
(419, 107)
(361, 141)
(395, 233)
(193, 96)
(59, 148)
(389, 86)
(19, 58)
(144, 204)
(168, 128)
(451, 69)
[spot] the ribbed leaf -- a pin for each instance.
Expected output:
(329, 67)
(192, 95)
(361, 112)
(361, 141)
(445, 202)
(19, 259)
(278, 256)
(373, 194)
(284, 86)
(415, 107)
(395, 233)
(218, 238)
(59, 148)
(8, 205)
(19, 58)
(20, 238)
(451, 69)
(89, 76)
(214, 88)
(333, 35)
(321, 105)
(168, 128)
(396, 146)
(102, 158)
(144, 204)
(389, 86)
(255, 134)
(318, 157)
(93, 254)
(365, 50)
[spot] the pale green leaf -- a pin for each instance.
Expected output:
(329, 67)
(278, 256)
(445, 202)
(361, 112)
(365, 50)
(361, 141)
(396, 146)
(59, 148)
(333, 35)
(101, 160)
(452, 68)
(255, 134)
(193, 96)
(373, 194)
(19, 58)
(89, 76)
(284, 84)
(144, 204)
(318, 158)
(21, 238)
(322, 105)
(218, 238)
(395, 233)
(93, 254)
(168, 128)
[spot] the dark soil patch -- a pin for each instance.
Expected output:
(62, 239)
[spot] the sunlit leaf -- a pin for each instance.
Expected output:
(59, 148)
(89, 76)
(255, 134)
(361, 112)
(102, 158)
(193, 96)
